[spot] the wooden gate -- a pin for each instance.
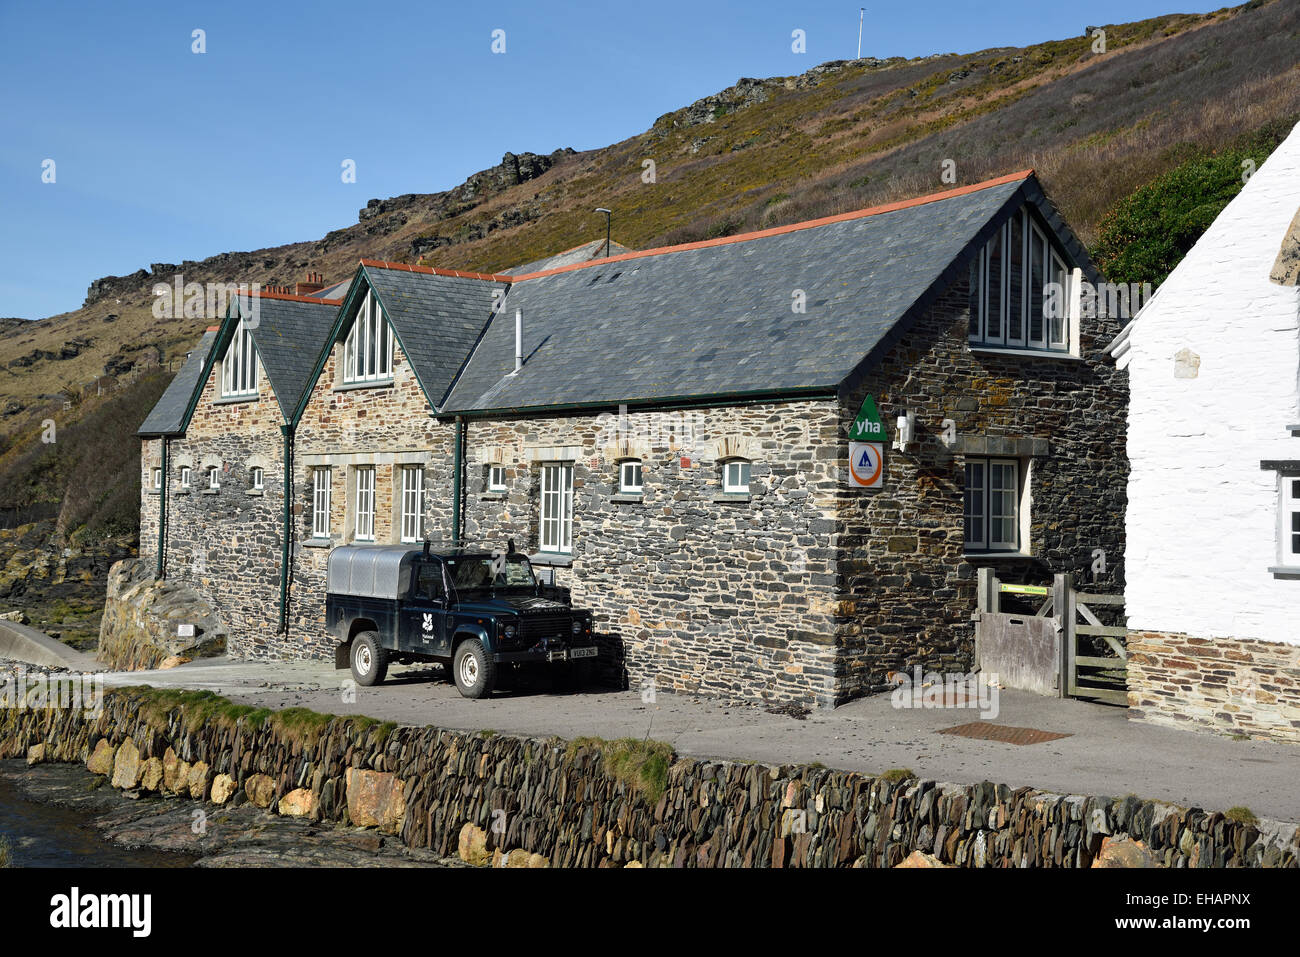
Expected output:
(1092, 656)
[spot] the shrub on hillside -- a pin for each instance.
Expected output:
(1147, 234)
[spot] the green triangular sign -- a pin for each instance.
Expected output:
(867, 427)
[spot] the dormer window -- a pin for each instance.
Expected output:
(1019, 290)
(239, 368)
(368, 349)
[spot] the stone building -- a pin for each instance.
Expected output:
(1213, 594)
(700, 440)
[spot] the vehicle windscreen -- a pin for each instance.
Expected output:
(483, 572)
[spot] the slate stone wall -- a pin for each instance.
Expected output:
(1225, 685)
(908, 587)
(560, 800)
(225, 544)
(387, 427)
(698, 591)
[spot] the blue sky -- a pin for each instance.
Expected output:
(162, 154)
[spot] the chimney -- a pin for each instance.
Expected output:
(315, 283)
(519, 340)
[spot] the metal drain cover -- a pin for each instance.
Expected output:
(984, 731)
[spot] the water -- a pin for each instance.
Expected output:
(42, 835)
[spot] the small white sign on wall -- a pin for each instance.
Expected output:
(866, 464)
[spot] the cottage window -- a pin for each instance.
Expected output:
(496, 478)
(157, 478)
(364, 528)
(258, 479)
(320, 503)
(735, 477)
(1290, 551)
(368, 350)
(186, 476)
(630, 476)
(1011, 279)
(239, 368)
(992, 504)
(214, 477)
(412, 503)
(557, 507)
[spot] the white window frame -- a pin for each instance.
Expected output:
(985, 542)
(1289, 522)
(186, 476)
(412, 499)
(239, 367)
(556, 514)
(157, 479)
(631, 477)
(320, 502)
(364, 518)
(496, 478)
(257, 476)
(368, 348)
(736, 483)
(214, 477)
(995, 332)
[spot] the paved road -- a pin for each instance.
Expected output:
(1105, 754)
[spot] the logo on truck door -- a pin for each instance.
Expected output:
(427, 625)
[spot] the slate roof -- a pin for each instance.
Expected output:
(289, 336)
(437, 319)
(167, 417)
(716, 317)
(578, 254)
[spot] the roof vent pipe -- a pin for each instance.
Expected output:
(519, 340)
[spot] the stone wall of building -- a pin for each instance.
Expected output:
(907, 585)
(225, 543)
(569, 803)
(699, 591)
(1230, 686)
(386, 427)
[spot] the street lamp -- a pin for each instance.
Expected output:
(608, 213)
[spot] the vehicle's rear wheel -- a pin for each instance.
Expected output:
(369, 663)
(474, 669)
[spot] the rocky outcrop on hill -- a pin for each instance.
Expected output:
(143, 619)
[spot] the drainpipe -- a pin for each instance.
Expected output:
(162, 513)
(287, 434)
(457, 468)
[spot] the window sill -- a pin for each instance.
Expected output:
(628, 498)
(236, 399)
(1024, 353)
(317, 542)
(353, 386)
(255, 491)
(735, 498)
(492, 497)
(210, 491)
(153, 491)
(554, 559)
(996, 555)
(1285, 571)
(183, 491)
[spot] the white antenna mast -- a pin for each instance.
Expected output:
(861, 13)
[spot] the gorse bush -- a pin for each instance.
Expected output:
(1149, 232)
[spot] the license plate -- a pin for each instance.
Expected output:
(583, 653)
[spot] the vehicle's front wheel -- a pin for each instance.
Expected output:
(369, 664)
(474, 669)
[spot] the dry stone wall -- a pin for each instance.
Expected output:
(562, 802)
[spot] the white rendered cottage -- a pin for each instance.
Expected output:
(1213, 575)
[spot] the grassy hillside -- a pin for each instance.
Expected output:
(765, 152)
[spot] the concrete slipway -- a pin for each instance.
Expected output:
(1104, 754)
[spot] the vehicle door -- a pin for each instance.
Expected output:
(424, 613)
